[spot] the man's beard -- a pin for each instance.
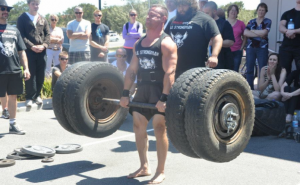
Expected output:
(185, 17)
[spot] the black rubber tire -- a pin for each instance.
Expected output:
(90, 79)
(175, 110)
(211, 94)
(59, 95)
(257, 132)
(269, 120)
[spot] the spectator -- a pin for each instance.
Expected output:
(291, 94)
(79, 31)
(225, 56)
(35, 32)
(55, 46)
(221, 13)
(60, 68)
(132, 31)
(12, 55)
(192, 40)
(202, 4)
(290, 48)
(172, 11)
(99, 38)
(122, 65)
(257, 32)
(271, 79)
(4, 103)
(238, 31)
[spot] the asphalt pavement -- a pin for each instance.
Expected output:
(107, 161)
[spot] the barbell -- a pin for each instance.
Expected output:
(209, 114)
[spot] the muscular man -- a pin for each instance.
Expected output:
(154, 58)
(192, 30)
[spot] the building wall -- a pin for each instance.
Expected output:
(276, 9)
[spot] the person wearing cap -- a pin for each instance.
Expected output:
(12, 54)
(202, 3)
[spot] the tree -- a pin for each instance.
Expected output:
(19, 8)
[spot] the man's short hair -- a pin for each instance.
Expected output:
(262, 5)
(78, 7)
(97, 11)
(122, 49)
(63, 53)
(54, 15)
(212, 5)
(192, 3)
(132, 10)
(29, 1)
(164, 10)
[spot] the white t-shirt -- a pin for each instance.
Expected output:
(114, 63)
(170, 16)
(33, 18)
(78, 44)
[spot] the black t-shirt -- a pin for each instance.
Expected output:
(54, 77)
(225, 56)
(192, 37)
(294, 77)
(99, 33)
(295, 15)
(10, 43)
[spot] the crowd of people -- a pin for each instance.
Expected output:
(183, 35)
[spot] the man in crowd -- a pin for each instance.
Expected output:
(60, 68)
(221, 13)
(99, 38)
(36, 34)
(225, 57)
(202, 3)
(79, 31)
(290, 48)
(172, 11)
(192, 30)
(154, 57)
(12, 54)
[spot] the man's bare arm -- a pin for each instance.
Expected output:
(24, 63)
(72, 35)
(227, 43)
(217, 43)
(85, 35)
(282, 27)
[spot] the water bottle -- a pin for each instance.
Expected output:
(291, 25)
(295, 123)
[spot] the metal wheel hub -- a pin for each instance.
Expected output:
(229, 117)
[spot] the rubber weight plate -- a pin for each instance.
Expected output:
(19, 152)
(40, 151)
(47, 160)
(7, 163)
(68, 148)
(17, 156)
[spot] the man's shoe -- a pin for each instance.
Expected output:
(28, 103)
(5, 114)
(15, 129)
(39, 101)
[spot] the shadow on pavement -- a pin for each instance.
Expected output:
(271, 146)
(129, 146)
(110, 181)
(49, 173)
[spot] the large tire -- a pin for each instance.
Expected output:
(176, 109)
(59, 96)
(87, 115)
(214, 99)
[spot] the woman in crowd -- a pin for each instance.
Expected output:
(271, 79)
(132, 31)
(257, 32)
(55, 46)
(238, 31)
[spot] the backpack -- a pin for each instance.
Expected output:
(127, 26)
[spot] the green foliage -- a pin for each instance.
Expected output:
(19, 8)
(46, 90)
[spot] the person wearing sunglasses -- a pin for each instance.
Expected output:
(55, 46)
(99, 38)
(60, 68)
(36, 34)
(12, 55)
(79, 31)
(132, 31)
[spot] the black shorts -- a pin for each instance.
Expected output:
(11, 84)
(147, 94)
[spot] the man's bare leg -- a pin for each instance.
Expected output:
(12, 106)
(4, 102)
(141, 137)
(162, 145)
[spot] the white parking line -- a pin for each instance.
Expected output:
(112, 139)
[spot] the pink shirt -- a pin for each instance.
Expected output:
(238, 31)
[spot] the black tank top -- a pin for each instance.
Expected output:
(150, 61)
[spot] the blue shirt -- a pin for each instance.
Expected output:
(258, 42)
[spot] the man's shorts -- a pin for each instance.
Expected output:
(147, 94)
(79, 56)
(11, 84)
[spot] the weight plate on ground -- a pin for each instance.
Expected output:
(19, 152)
(47, 160)
(7, 163)
(68, 148)
(17, 156)
(40, 151)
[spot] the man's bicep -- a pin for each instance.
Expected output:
(169, 51)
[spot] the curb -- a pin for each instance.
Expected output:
(47, 104)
